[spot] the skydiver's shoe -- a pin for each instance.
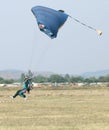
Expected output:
(11, 97)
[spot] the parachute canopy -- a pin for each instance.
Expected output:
(49, 20)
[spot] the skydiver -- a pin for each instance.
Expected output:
(27, 86)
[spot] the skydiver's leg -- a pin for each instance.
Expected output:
(21, 93)
(28, 90)
(16, 94)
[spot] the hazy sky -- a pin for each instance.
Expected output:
(75, 50)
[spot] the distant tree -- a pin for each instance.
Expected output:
(104, 78)
(1, 80)
(56, 78)
(91, 80)
(8, 81)
(67, 78)
(40, 79)
(30, 74)
(77, 79)
(22, 77)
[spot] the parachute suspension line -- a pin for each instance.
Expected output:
(39, 59)
(30, 67)
(42, 55)
(32, 51)
(31, 57)
(97, 30)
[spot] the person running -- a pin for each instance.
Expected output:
(27, 86)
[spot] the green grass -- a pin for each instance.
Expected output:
(55, 109)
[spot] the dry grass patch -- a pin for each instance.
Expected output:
(74, 109)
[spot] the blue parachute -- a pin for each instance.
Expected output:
(49, 20)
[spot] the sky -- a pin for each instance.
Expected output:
(76, 49)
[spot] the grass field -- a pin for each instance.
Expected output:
(56, 109)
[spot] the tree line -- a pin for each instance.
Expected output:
(58, 79)
(70, 79)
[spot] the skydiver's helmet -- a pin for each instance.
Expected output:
(26, 78)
